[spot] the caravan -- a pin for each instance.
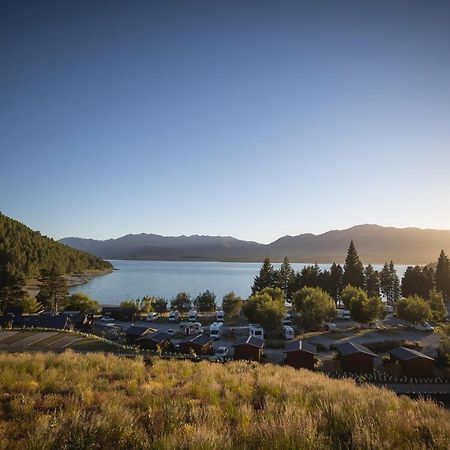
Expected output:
(220, 316)
(216, 330)
(174, 316)
(192, 316)
(256, 330)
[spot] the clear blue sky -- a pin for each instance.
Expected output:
(247, 118)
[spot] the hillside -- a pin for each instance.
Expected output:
(375, 244)
(96, 401)
(28, 251)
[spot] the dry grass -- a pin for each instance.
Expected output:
(72, 401)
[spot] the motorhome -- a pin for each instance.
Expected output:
(174, 316)
(215, 330)
(190, 327)
(343, 314)
(220, 316)
(192, 316)
(255, 330)
(288, 332)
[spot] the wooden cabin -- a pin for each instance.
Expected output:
(135, 332)
(121, 314)
(107, 330)
(199, 344)
(249, 348)
(154, 341)
(355, 357)
(412, 362)
(300, 354)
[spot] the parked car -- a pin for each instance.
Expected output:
(192, 316)
(107, 319)
(152, 316)
(288, 332)
(424, 326)
(221, 353)
(171, 331)
(174, 316)
(328, 326)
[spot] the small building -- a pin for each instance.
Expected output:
(107, 330)
(300, 354)
(135, 332)
(154, 341)
(53, 321)
(355, 357)
(121, 314)
(200, 344)
(249, 348)
(412, 362)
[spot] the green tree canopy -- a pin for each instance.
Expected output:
(12, 283)
(418, 281)
(232, 304)
(413, 309)
(366, 309)
(353, 268)
(159, 304)
(285, 276)
(263, 309)
(351, 292)
(182, 302)
(443, 275)
(54, 291)
(336, 273)
(315, 307)
(205, 301)
(371, 281)
(437, 305)
(81, 302)
(268, 277)
(390, 283)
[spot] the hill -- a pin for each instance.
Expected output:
(97, 401)
(27, 251)
(375, 244)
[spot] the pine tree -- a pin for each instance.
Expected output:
(285, 275)
(390, 283)
(353, 269)
(54, 291)
(267, 277)
(442, 275)
(336, 274)
(12, 283)
(371, 281)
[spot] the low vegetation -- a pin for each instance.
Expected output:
(95, 401)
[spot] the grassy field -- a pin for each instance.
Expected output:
(72, 401)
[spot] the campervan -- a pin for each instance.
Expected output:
(192, 316)
(288, 332)
(174, 316)
(255, 330)
(190, 327)
(220, 316)
(215, 330)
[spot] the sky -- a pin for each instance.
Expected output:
(254, 119)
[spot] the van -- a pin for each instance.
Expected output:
(288, 332)
(255, 330)
(192, 316)
(174, 316)
(190, 327)
(220, 316)
(215, 330)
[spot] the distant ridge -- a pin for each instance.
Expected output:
(375, 244)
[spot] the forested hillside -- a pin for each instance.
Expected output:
(28, 252)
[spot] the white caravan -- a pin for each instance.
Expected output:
(256, 330)
(192, 316)
(220, 316)
(216, 330)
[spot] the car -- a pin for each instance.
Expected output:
(221, 353)
(107, 319)
(170, 331)
(152, 316)
(328, 326)
(424, 326)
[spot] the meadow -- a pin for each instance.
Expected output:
(72, 401)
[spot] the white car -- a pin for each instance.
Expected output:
(152, 316)
(107, 319)
(221, 353)
(328, 326)
(170, 332)
(424, 326)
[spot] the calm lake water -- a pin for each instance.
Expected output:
(134, 279)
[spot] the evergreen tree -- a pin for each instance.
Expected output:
(285, 275)
(371, 281)
(311, 276)
(12, 283)
(295, 284)
(336, 274)
(267, 277)
(418, 281)
(54, 291)
(442, 275)
(353, 269)
(390, 283)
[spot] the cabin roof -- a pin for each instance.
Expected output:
(134, 330)
(159, 336)
(250, 340)
(57, 321)
(350, 348)
(293, 346)
(200, 339)
(406, 354)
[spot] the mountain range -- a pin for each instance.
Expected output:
(375, 244)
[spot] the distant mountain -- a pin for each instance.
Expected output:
(375, 244)
(27, 251)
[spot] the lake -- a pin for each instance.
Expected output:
(134, 279)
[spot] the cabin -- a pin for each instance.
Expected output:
(412, 362)
(155, 341)
(53, 321)
(300, 354)
(121, 314)
(355, 357)
(200, 344)
(134, 332)
(107, 330)
(249, 348)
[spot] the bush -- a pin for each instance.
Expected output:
(413, 309)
